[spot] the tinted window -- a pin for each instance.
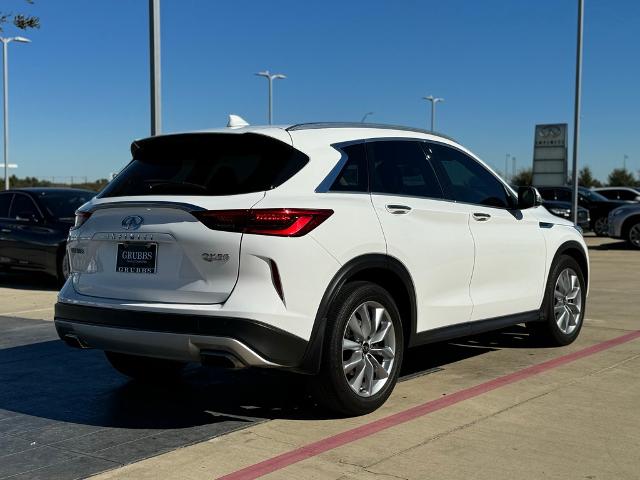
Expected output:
(5, 201)
(465, 180)
(63, 204)
(547, 193)
(610, 194)
(564, 195)
(23, 207)
(401, 168)
(353, 176)
(206, 164)
(628, 195)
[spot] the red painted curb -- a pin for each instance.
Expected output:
(329, 443)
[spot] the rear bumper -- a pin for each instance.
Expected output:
(178, 336)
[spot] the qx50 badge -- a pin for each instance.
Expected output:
(215, 257)
(132, 222)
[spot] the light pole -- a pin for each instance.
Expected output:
(364, 117)
(5, 83)
(506, 167)
(270, 77)
(155, 72)
(624, 161)
(433, 101)
(576, 112)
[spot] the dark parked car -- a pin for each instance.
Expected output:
(563, 210)
(598, 206)
(34, 224)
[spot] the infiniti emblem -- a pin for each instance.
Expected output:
(132, 222)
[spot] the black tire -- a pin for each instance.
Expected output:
(633, 235)
(62, 267)
(600, 226)
(330, 388)
(145, 369)
(548, 332)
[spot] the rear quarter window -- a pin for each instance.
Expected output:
(206, 164)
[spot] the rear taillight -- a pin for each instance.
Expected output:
(81, 217)
(282, 222)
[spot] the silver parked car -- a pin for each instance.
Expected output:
(624, 222)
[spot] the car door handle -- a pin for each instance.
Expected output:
(481, 217)
(398, 209)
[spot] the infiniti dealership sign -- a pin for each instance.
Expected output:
(550, 155)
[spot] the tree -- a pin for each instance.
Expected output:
(19, 20)
(523, 177)
(585, 179)
(621, 177)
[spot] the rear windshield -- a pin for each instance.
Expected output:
(206, 164)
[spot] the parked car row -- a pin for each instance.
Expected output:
(607, 211)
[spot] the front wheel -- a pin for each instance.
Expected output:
(145, 369)
(601, 226)
(564, 304)
(363, 350)
(634, 235)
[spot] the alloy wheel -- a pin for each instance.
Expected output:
(601, 227)
(368, 348)
(567, 305)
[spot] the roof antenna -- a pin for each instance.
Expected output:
(236, 121)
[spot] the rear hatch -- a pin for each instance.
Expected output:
(143, 241)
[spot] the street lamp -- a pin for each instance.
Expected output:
(433, 101)
(364, 117)
(5, 83)
(271, 77)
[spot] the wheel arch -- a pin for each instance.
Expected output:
(628, 223)
(576, 251)
(386, 271)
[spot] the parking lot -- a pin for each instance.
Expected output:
(492, 406)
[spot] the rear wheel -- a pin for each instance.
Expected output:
(362, 352)
(145, 368)
(601, 226)
(633, 236)
(563, 305)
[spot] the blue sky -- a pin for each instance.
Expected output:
(79, 92)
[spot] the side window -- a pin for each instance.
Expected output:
(400, 167)
(627, 195)
(563, 195)
(610, 194)
(465, 180)
(23, 207)
(5, 201)
(353, 176)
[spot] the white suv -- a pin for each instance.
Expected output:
(326, 249)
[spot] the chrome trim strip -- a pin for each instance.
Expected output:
(176, 346)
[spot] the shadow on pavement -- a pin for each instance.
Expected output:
(621, 245)
(52, 381)
(28, 281)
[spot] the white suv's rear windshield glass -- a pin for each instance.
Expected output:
(206, 164)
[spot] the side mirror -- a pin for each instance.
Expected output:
(528, 197)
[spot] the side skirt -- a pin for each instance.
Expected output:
(473, 328)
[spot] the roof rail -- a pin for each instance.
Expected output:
(317, 125)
